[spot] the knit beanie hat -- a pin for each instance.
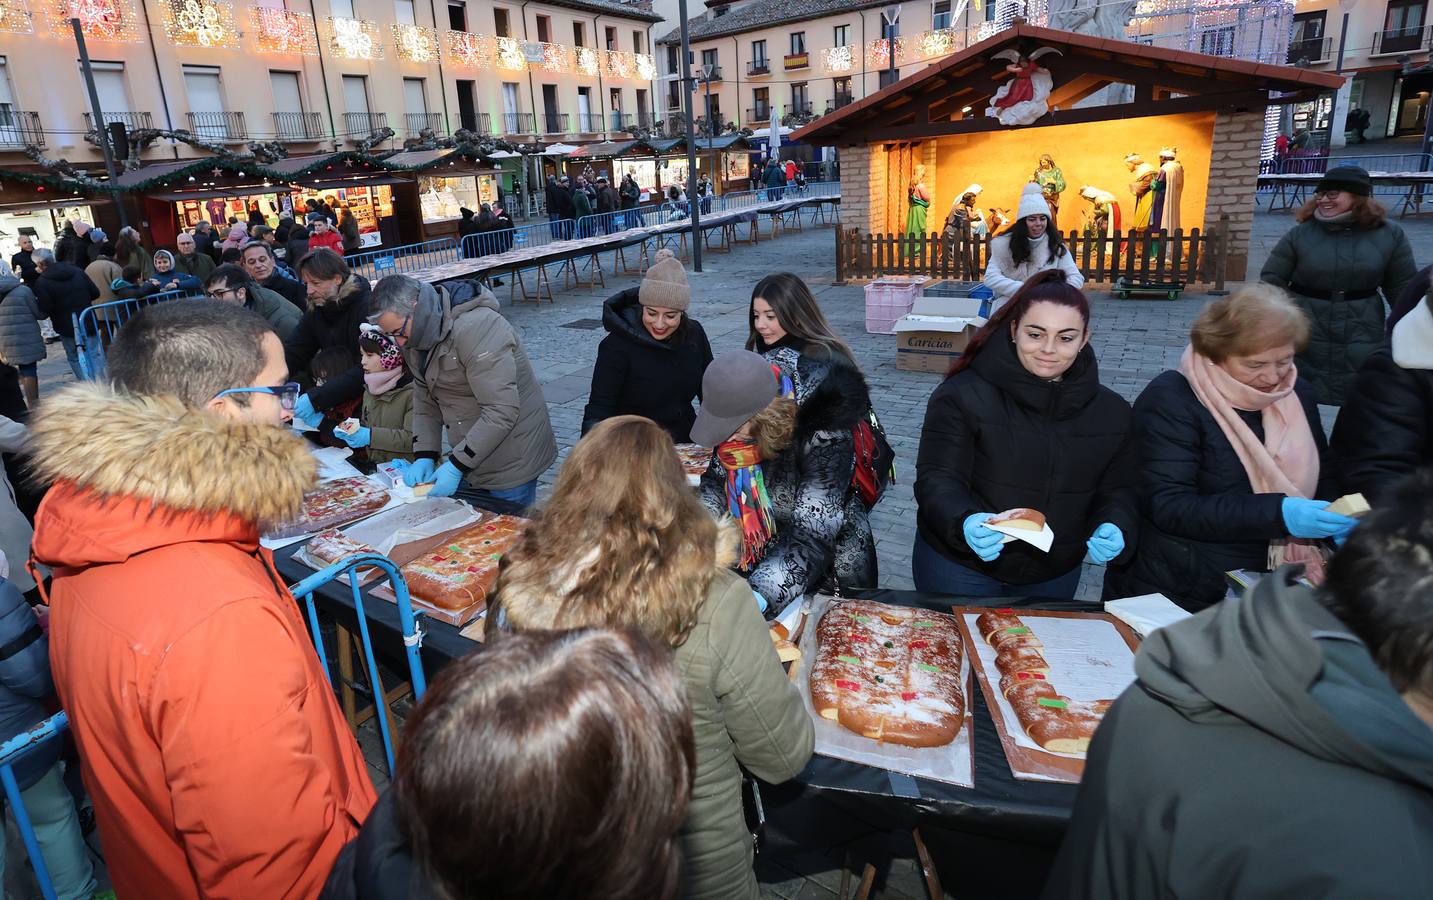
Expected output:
(665, 284)
(1346, 178)
(371, 339)
(1032, 202)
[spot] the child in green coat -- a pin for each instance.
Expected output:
(386, 428)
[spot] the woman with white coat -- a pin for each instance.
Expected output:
(1030, 246)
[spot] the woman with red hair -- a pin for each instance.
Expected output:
(1023, 421)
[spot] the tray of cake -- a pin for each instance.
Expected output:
(1048, 679)
(888, 686)
(331, 504)
(418, 520)
(451, 576)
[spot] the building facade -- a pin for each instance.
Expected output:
(321, 74)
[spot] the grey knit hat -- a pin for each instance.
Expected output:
(665, 284)
(736, 387)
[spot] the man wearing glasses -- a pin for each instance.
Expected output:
(232, 284)
(193, 688)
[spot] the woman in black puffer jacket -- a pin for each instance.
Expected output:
(652, 360)
(1022, 421)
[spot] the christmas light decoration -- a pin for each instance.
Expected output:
(620, 64)
(839, 59)
(100, 20)
(466, 50)
(588, 62)
(556, 58)
(508, 54)
(14, 17)
(878, 54)
(200, 23)
(416, 43)
(280, 31)
(354, 38)
(646, 66)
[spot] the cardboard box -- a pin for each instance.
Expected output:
(935, 333)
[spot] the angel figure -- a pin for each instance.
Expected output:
(1021, 100)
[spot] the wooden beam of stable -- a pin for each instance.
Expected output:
(924, 97)
(1159, 76)
(1075, 90)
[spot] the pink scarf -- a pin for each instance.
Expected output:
(382, 382)
(1287, 462)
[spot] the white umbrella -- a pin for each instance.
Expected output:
(503, 154)
(558, 149)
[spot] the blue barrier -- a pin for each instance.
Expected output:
(412, 633)
(486, 243)
(96, 326)
(10, 753)
(374, 264)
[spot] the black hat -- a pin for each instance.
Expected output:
(1346, 178)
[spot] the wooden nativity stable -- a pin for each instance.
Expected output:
(1211, 109)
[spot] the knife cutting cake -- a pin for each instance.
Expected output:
(336, 503)
(889, 673)
(460, 572)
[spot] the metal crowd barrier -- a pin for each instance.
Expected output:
(11, 752)
(96, 326)
(623, 219)
(374, 264)
(407, 620)
(503, 240)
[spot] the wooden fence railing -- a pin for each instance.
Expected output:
(1190, 257)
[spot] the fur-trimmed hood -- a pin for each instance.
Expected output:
(837, 403)
(166, 460)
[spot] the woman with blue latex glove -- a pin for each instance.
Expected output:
(1230, 444)
(304, 412)
(986, 542)
(1106, 543)
(446, 480)
(1312, 519)
(420, 472)
(1022, 421)
(357, 440)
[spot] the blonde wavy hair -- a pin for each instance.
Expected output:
(773, 428)
(622, 543)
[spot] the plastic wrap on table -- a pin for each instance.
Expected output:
(418, 520)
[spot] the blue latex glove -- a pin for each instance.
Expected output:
(420, 471)
(304, 412)
(359, 438)
(1311, 519)
(986, 543)
(1106, 543)
(446, 480)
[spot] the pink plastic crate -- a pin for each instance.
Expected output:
(887, 301)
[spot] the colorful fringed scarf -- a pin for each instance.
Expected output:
(746, 498)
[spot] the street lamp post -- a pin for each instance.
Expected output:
(693, 208)
(892, 17)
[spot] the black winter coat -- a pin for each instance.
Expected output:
(1385, 428)
(638, 375)
(1199, 515)
(290, 290)
(997, 437)
(331, 326)
(63, 291)
(823, 530)
(378, 864)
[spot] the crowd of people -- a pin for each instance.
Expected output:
(595, 746)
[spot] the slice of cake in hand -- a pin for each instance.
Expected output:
(1020, 517)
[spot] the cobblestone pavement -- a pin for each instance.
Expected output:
(1133, 340)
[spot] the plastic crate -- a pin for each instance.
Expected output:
(887, 301)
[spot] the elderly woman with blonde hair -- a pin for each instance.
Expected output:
(629, 546)
(1233, 458)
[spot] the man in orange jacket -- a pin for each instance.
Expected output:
(216, 754)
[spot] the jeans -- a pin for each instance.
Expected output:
(57, 829)
(552, 220)
(938, 575)
(72, 354)
(524, 495)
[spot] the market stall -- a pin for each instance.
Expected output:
(1175, 146)
(447, 182)
(41, 217)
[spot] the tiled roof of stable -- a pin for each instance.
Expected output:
(764, 14)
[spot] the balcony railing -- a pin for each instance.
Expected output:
(20, 129)
(704, 78)
(838, 101)
(758, 67)
(1402, 40)
(799, 109)
(218, 126)
(587, 123)
(414, 123)
(759, 114)
(648, 119)
(359, 125)
(518, 123)
(132, 121)
(478, 123)
(554, 123)
(299, 126)
(620, 121)
(1313, 49)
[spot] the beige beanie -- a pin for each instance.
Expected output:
(665, 283)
